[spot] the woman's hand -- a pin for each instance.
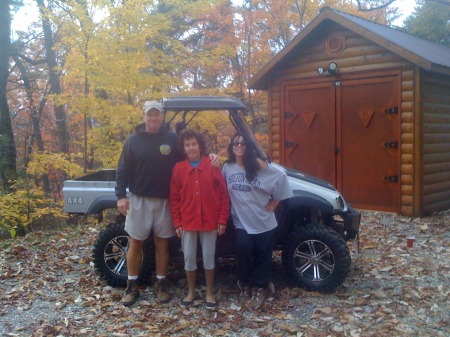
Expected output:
(272, 205)
(179, 231)
(221, 229)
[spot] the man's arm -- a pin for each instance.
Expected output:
(215, 160)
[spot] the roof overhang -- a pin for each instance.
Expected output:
(261, 79)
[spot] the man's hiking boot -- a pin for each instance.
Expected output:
(244, 293)
(131, 293)
(160, 290)
(258, 298)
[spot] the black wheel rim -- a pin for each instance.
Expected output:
(314, 260)
(115, 255)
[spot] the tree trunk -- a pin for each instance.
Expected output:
(35, 114)
(7, 144)
(62, 132)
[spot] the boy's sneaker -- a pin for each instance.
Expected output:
(160, 290)
(131, 293)
(244, 293)
(258, 298)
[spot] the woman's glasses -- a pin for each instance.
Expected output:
(239, 143)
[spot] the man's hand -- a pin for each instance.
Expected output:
(179, 232)
(123, 205)
(215, 161)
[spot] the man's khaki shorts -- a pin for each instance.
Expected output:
(147, 214)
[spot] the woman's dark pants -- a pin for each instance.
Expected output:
(254, 254)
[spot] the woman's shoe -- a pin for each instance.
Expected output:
(185, 303)
(211, 305)
(257, 300)
(244, 293)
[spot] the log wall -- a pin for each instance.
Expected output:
(407, 140)
(435, 107)
(359, 57)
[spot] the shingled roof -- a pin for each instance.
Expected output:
(425, 54)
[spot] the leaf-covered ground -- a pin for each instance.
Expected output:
(48, 287)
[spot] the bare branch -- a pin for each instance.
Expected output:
(30, 61)
(383, 4)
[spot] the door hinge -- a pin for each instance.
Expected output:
(390, 145)
(288, 114)
(289, 144)
(393, 179)
(391, 111)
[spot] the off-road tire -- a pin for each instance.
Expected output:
(109, 256)
(316, 258)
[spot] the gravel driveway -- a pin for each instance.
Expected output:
(48, 287)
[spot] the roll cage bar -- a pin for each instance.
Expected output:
(183, 105)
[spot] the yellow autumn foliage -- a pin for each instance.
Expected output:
(24, 207)
(27, 203)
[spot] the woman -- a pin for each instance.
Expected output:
(255, 188)
(200, 206)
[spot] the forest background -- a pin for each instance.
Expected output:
(72, 85)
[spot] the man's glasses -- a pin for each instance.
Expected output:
(239, 143)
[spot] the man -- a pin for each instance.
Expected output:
(145, 167)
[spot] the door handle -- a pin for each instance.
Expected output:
(393, 179)
(390, 145)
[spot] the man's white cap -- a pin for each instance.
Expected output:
(152, 105)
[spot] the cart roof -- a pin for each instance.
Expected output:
(185, 104)
(197, 103)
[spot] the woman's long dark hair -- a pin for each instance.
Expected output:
(251, 164)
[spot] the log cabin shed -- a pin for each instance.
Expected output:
(377, 127)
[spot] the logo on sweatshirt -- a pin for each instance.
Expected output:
(165, 149)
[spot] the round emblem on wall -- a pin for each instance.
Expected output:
(334, 44)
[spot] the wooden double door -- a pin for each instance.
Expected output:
(346, 132)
